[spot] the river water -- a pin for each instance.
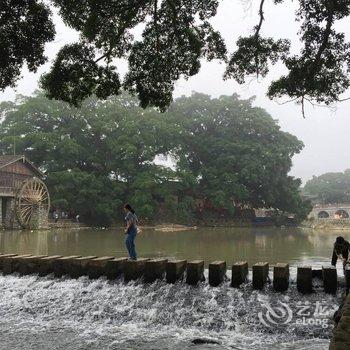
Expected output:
(48, 313)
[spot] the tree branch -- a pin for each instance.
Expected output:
(155, 20)
(257, 33)
(303, 106)
(121, 31)
(344, 99)
(261, 14)
(327, 33)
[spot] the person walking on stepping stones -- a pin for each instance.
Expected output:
(130, 230)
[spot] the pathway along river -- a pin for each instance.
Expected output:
(48, 313)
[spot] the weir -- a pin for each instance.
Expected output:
(151, 270)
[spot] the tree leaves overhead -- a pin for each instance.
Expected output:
(25, 28)
(75, 76)
(254, 57)
(172, 47)
(321, 72)
(176, 35)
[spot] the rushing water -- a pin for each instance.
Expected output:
(48, 313)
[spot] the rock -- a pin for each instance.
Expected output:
(200, 341)
(241, 313)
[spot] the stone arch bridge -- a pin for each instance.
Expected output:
(330, 211)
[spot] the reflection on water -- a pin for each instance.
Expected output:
(231, 244)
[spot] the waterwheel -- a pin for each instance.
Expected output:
(32, 203)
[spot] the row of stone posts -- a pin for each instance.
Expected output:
(157, 269)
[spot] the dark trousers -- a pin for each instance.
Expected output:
(130, 243)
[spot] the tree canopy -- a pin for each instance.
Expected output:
(222, 151)
(176, 36)
(329, 188)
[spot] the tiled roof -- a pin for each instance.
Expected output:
(8, 159)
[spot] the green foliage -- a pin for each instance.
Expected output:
(94, 197)
(60, 203)
(237, 153)
(329, 187)
(321, 71)
(75, 76)
(25, 27)
(176, 35)
(254, 56)
(97, 157)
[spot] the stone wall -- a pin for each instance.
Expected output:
(39, 219)
(10, 216)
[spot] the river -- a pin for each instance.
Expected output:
(48, 313)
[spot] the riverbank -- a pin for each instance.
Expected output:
(315, 224)
(327, 224)
(172, 227)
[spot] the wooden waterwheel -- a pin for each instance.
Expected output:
(32, 202)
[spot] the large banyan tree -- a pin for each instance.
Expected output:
(176, 35)
(221, 150)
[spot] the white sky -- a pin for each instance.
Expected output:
(325, 133)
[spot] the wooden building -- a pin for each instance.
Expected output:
(24, 198)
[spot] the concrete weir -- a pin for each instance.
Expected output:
(78, 267)
(304, 279)
(29, 265)
(3, 258)
(11, 263)
(175, 270)
(151, 270)
(45, 265)
(97, 267)
(115, 268)
(217, 273)
(280, 277)
(155, 270)
(60, 265)
(330, 279)
(134, 269)
(260, 274)
(195, 272)
(239, 273)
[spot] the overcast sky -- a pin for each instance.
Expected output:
(325, 133)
